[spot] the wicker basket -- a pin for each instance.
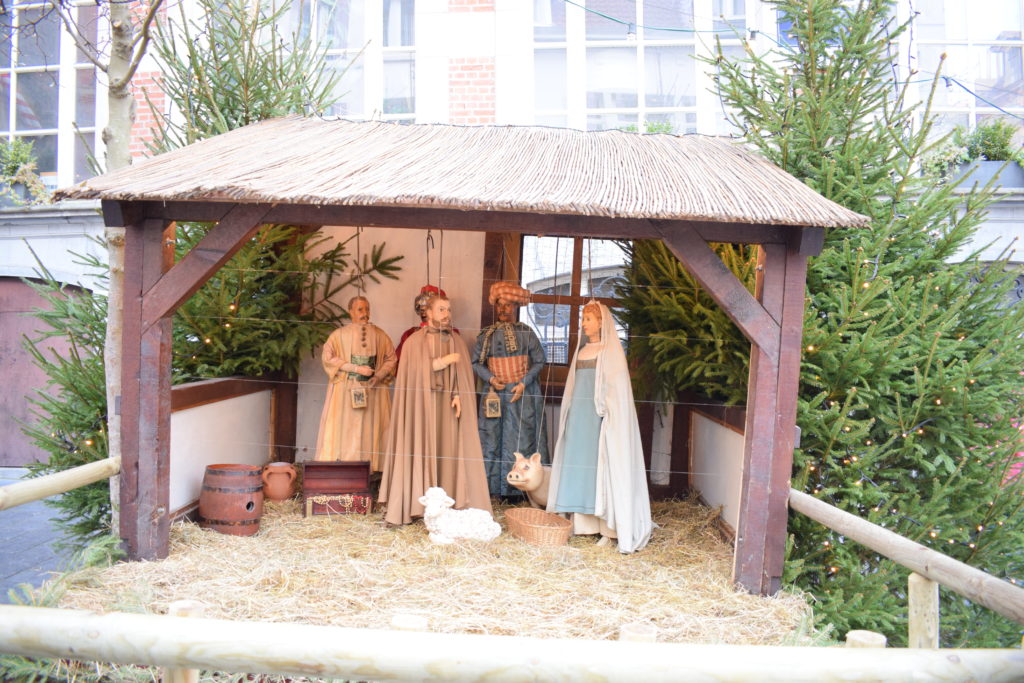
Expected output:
(537, 526)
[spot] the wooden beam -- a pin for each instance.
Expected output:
(213, 251)
(740, 305)
(146, 397)
(519, 222)
(194, 394)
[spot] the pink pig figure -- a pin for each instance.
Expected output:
(529, 475)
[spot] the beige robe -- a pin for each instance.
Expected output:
(426, 444)
(349, 433)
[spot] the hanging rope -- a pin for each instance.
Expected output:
(360, 268)
(427, 247)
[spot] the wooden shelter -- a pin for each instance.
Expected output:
(687, 191)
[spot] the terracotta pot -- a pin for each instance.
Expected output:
(231, 500)
(278, 481)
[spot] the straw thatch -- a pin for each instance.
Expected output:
(353, 571)
(319, 162)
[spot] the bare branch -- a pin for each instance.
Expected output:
(91, 51)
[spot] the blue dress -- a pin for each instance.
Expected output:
(577, 486)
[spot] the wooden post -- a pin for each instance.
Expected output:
(183, 608)
(145, 404)
(284, 403)
(859, 638)
(923, 611)
(772, 319)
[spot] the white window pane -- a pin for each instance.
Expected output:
(603, 265)
(674, 122)
(85, 156)
(947, 94)
(622, 13)
(88, 27)
(341, 23)
(998, 75)
(551, 120)
(611, 77)
(6, 44)
(660, 16)
(5, 102)
(729, 15)
(945, 122)
(399, 83)
(350, 86)
(44, 147)
(37, 101)
(612, 121)
(670, 77)
(399, 23)
(38, 37)
(85, 98)
(549, 80)
(549, 20)
(547, 270)
(940, 20)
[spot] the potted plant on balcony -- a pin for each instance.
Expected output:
(19, 182)
(984, 153)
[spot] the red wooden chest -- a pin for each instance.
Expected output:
(336, 488)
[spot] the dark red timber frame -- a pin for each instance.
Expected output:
(771, 319)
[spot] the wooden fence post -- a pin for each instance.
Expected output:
(859, 638)
(183, 608)
(923, 608)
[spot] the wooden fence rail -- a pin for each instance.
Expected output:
(975, 585)
(59, 482)
(362, 654)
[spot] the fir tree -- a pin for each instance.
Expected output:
(910, 380)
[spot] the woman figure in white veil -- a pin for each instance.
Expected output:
(597, 471)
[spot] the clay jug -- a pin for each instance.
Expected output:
(279, 481)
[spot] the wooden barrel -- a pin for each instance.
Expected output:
(231, 500)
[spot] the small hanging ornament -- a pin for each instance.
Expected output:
(358, 395)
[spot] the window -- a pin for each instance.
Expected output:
(564, 273)
(372, 41)
(48, 91)
(630, 64)
(984, 59)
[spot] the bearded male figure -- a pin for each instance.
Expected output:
(432, 439)
(360, 362)
(508, 357)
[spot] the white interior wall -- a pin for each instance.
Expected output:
(716, 465)
(391, 302)
(235, 430)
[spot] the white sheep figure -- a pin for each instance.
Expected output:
(446, 525)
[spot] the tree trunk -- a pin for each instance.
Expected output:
(116, 137)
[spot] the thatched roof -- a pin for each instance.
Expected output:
(313, 161)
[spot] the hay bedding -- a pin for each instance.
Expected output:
(351, 570)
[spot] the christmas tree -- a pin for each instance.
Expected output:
(910, 383)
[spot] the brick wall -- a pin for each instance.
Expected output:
(470, 5)
(146, 84)
(471, 98)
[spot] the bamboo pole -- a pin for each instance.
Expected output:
(923, 611)
(973, 584)
(58, 482)
(365, 654)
